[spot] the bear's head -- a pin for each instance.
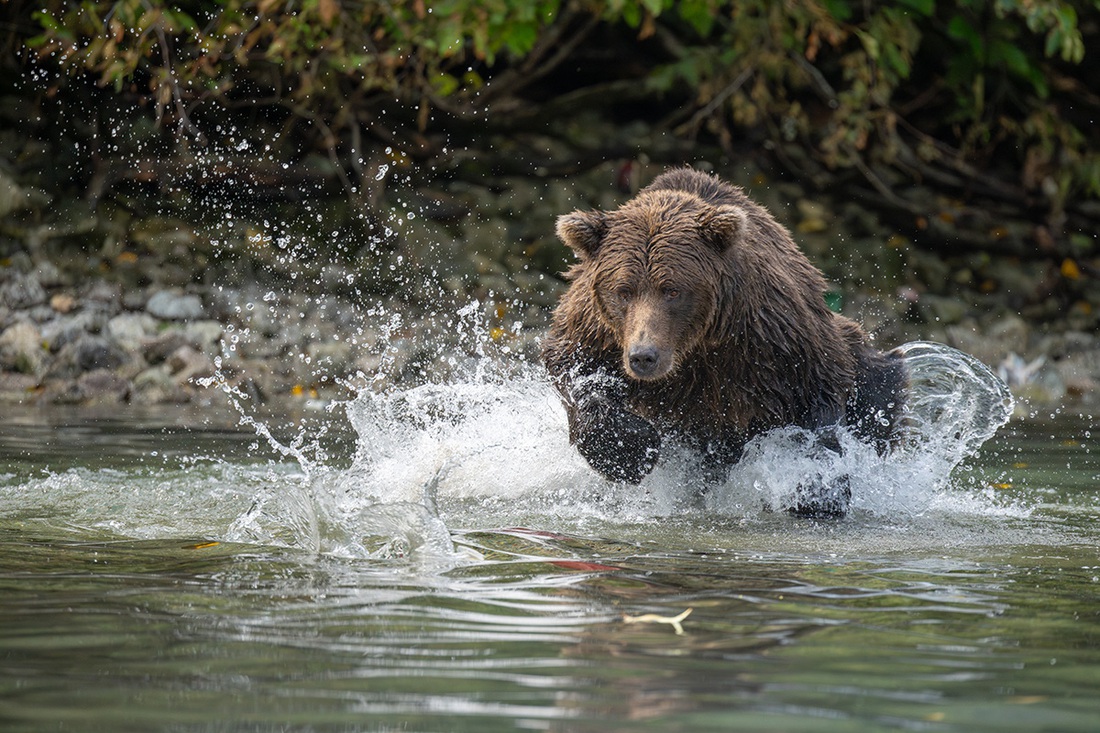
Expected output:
(655, 270)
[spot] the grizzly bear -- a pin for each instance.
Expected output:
(692, 317)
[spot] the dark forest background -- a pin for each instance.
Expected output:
(967, 127)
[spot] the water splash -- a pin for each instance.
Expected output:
(497, 447)
(955, 402)
(954, 405)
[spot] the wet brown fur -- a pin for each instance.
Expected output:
(709, 280)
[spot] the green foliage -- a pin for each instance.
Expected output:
(318, 46)
(839, 77)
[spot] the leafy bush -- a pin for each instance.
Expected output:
(906, 84)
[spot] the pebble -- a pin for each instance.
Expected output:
(187, 364)
(174, 306)
(21, 349)
(22, 291)
(87, 353)
(131, 330)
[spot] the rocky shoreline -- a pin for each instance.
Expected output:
(157, 312)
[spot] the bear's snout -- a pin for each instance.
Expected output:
(643, 360)
(649, 341)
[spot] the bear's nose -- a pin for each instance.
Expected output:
(643, 360)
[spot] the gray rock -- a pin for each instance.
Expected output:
(941, 310)
(158, 349)
(1059, 345)
(156, 386)
(203, 333)
(16, 388)
(22, 291)
(131, 330)
(134, 299)
(12, 196)
(65, 329)
(49, 276)
(1011, 331)
(1081, 373)
(332, 358)
(86, 354)
(188, 364)
(21, 349)
(102, 386)
(174, 306)
(153, 378)
(104, 297)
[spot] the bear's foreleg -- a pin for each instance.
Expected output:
(818, 496)
(617, 443)
(877, 403)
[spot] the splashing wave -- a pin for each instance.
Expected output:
(504, 443)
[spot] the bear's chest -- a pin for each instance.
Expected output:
(696, 404)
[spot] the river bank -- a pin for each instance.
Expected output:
(100, 305)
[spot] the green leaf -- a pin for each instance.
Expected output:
(895, 59)
(632, 15)
(960, 29)
(1013, 59)
(870, 43)
(699, 15)
(838, 9)
(521, 37)
(445, 85)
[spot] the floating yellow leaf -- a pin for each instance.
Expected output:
(1070, 270)
(653, 618)
(202, 545)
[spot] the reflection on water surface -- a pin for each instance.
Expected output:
(160, 573)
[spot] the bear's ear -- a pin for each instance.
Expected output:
(582, 231)
(722, 226)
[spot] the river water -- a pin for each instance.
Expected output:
(439, 559)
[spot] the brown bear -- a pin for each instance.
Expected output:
(693, 317)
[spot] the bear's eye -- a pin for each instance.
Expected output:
(670, 293)
(622, 293)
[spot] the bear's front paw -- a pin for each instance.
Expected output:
(621, 446)
(819, 498)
